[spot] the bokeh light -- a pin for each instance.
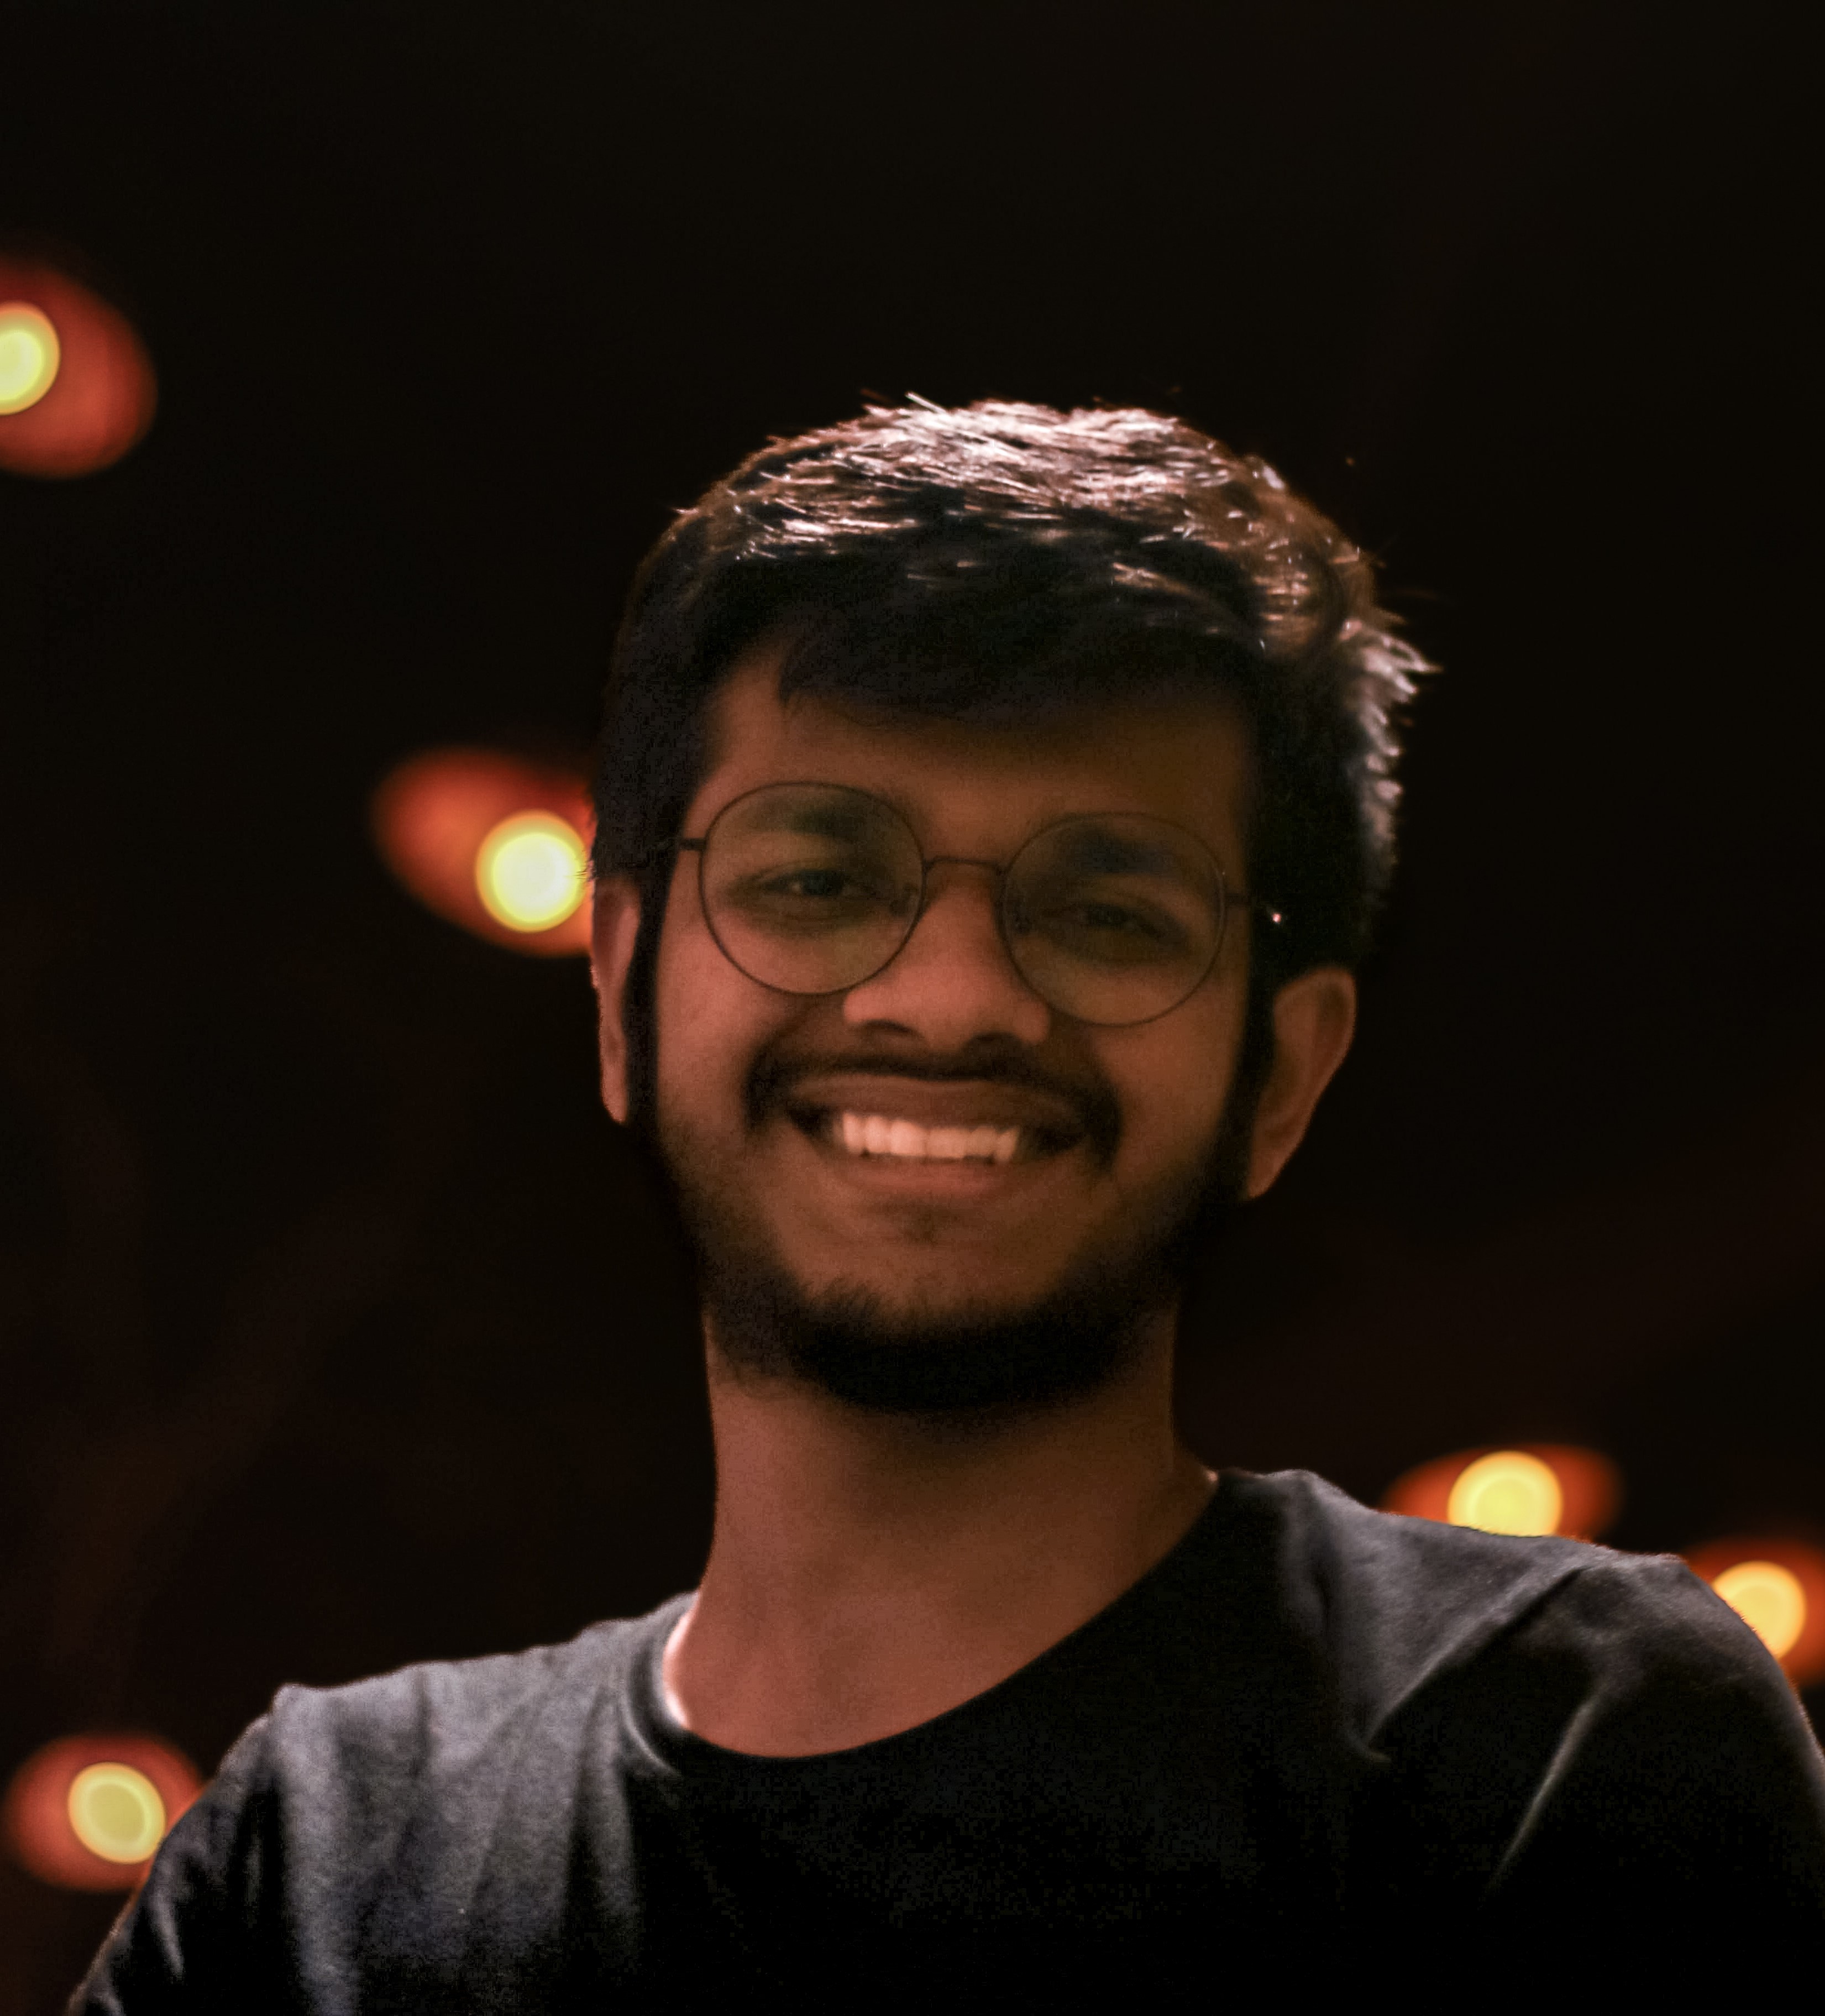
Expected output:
(532, 871)
(1506, 1491)
(493, 843)
(88, 1813)
(1776, 1586)
(76, 388)
(1527, 1488)
(1768, 1599)
(116, 1812)
(30, 354)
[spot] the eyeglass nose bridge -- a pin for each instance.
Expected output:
(1000, 870)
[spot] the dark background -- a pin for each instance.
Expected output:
(336, 1330)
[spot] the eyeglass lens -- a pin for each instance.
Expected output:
(812, 888)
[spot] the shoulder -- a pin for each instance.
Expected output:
(349, 1827)
(1547, 1722)
(442, 1717)
(412, 1769)
(1402, 1603)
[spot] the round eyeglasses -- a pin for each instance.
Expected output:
(1112, 918)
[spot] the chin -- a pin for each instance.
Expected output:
(913, 1354)
(923, 1300)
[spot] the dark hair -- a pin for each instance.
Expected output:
(999, 561)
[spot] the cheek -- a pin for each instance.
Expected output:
(1173, 1082)
(691, 1013)
(710, 1025)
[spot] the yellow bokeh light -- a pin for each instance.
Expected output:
(30, 354)
(1768, 1599)
(530, 871)
(116, 1812)
(1510, 1491)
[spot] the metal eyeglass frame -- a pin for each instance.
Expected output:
(1000, 871)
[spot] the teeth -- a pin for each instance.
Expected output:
(872, 1134)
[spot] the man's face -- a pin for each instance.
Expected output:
(756, 1090)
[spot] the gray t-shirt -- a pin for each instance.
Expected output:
(1316, 1747)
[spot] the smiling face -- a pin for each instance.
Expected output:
(935, 1165)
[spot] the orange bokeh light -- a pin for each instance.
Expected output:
(100, 399)
(60, 1792)
(1804, 1660)
(1590, 1485)
(433, 815)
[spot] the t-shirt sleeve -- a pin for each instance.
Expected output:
(1627, 1776)
(196, 1936)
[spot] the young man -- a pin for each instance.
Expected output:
(994, 806)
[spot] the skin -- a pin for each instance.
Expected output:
(868, 1571)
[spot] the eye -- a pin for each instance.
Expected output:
(1097, 930)
(811, 883)
(812, 895)
(1112, 917)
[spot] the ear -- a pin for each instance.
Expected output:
(614, 926)
(1314, 1016)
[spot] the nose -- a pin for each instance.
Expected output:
(953, 980)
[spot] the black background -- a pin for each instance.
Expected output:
(336, 1328)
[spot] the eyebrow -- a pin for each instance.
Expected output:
(848, 813)
(1097, 850)
(828, 818)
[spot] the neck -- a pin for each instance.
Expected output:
(867, 1572)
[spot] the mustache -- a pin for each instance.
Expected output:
(770, 1082)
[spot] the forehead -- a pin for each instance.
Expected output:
(965, 784)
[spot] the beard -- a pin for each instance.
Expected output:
(845, 1339)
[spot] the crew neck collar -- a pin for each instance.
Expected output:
(673, 1747)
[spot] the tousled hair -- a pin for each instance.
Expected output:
(998, 562)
